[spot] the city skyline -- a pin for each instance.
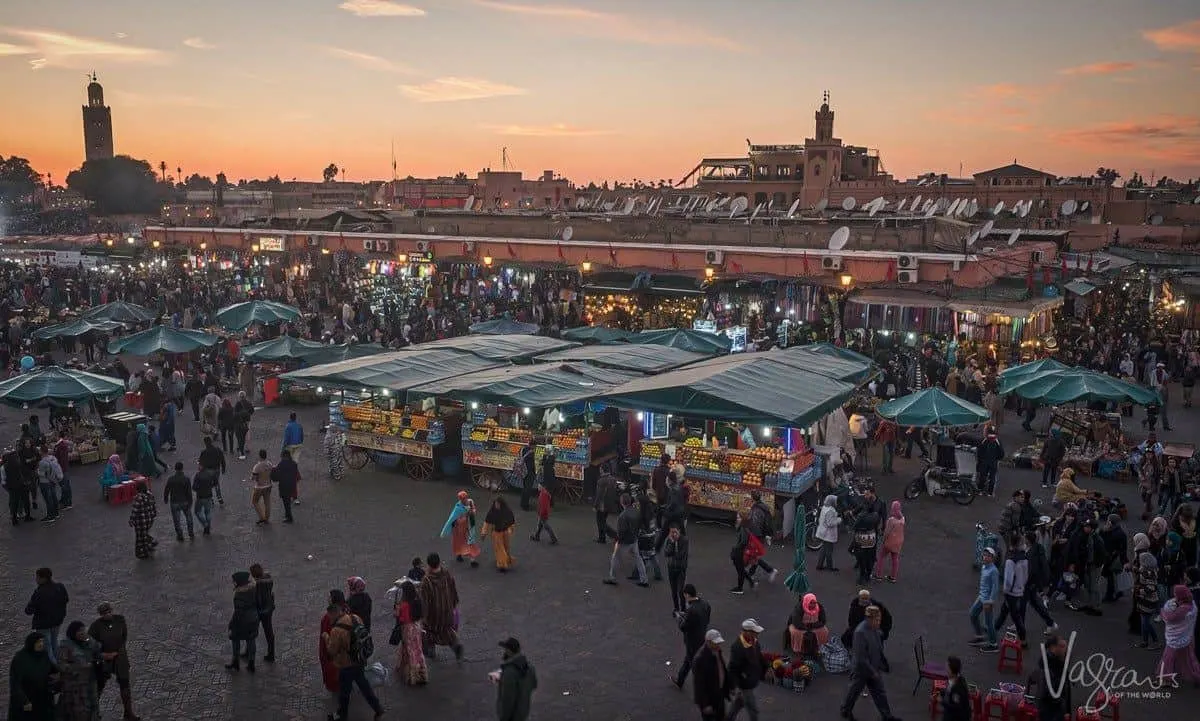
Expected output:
(602, 91)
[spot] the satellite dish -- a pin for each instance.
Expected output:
(1043, 203)
(927, 205)
(916, 203)
(722, 202)
(879, 202)
(628, 209)
(1012, 237)
(469, 205)
(1196, 201)
(998, 208)
(821, 205)
(754, 215)
(987, 228)
(972, 238)
(567, 233)
(953, 210)
(712, 205)
(930, 209)
(903, 201)
(792, 210)
(874, 207)
(1084, 206)
(849, 203)
(973, 208)
(1069, 207)
(1156, 220)
(840, 237)
(738, 206)
(770, 204)
(1025, 208)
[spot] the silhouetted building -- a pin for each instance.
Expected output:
(97, 124)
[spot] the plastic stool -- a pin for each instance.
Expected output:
(1012, 656)
(995, 707)
(1087, 713)
(935, 700)
(120, 494)
(1027, 710)
(976, 702)
(1109, 706)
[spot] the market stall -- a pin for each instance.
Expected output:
(241, 316)
(499, 348)
(596, 334)
(696, 341)
(121, 312)
(161, 338)
(284, 353)
(65, 391)
(503, 326)
(374, 424)
(627, 357)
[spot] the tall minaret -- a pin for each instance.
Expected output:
(97, 124)
(824, 118)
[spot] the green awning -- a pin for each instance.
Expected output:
(932, 408)
(243, 315)
(627, 357)
(162, 338)
(536, 386)
(1079, 384)
(596, 334)
(121, 312)
(503, 326)
(502, 348)
(343, 351)
(76, 328)
(285, 347)
(752, 388)
(1014, 375)
(845, 368)
(397, 371)
(52, 385)
(830, 349)
(690, 340)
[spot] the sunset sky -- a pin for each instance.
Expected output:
(612, 89)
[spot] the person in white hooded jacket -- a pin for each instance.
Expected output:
(827, 530)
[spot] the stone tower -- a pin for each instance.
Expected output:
(97, 124)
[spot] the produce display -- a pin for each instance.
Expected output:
(402, 431)
(490, 445)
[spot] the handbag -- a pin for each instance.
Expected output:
(397, 635)
(1123, 581)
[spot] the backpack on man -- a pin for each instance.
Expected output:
(361, 644)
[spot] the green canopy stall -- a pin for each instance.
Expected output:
(501, 348)
(240, 316)
(52, 385)
(162, 338)
(1014, 375)
(76, 328)
(627, 357)
(121, 312)
(932, 408)
(690, 340)
(1069, 385)
(503, 326)
(596, 334)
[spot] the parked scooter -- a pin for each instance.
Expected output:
(937, 481)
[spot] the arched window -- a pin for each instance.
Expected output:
(760, 198)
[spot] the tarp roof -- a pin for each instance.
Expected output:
(815, 360)
(627, 357)
(753, 388)
(506, 348)
(503, 326)
(1079, 286)
(685, 339)
(396, 371)
(535, 386)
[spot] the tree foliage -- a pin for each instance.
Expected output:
(1135, 182)
(1107, 175)
(197, 181)
(330, 172)
(118, 186)
(18, 179)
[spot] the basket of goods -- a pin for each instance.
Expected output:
(694, 443)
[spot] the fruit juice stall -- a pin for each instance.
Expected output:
(490, 450)
(411, 433)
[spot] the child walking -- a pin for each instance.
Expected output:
(893, 541)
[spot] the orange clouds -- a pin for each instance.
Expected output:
(557, 130)
(380, 8)
(1112, 67)
(1171, 138)
(452, 89)
(1181, 38)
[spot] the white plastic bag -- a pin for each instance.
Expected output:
(377, 673)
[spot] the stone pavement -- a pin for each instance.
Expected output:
(600, 652)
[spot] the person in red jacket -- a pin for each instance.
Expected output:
(544, 504)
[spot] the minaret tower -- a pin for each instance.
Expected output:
(97, 124)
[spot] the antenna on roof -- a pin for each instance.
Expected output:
(1013, 236)
(754, 215)
(900, 207)
(840, 237)
(916, 203)
(848, 203)
(791, 212)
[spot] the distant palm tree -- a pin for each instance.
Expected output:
(162, 168)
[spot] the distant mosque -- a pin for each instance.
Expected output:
(97, 124)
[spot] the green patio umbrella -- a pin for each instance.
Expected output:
(690, 340)
(797, 580)
(503, 326)
(284, 347)
(162, 338)
(52, 385)
(1078, 384)
(121, 312)
(830, 349)
(596, 334)
(240, 316)
(76, 328)
(932, 408)
(1015, 375)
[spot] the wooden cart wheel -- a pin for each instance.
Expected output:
(418, 469)
(484, 478)
(357, 458)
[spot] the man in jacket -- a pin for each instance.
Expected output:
(1053, 452)
(867, 667)
(293, 437)
(338, 642)
(49, 474)
(204, 483)
(1016, 578)
(676, 550)
(746, 669)
(985, 604)
(516, 681)
(177, 494)
(628, 524)
(264, 598)
(693, 623)
(606, 503)
(987, 462)
(762, 526)
(1052, 680)
(213, 459)
(48, 606)
(1116, 545)
(1086, 557)
(112, 633)
(710, 678)
(286, 476)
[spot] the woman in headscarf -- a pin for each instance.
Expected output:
(114, 472)
(30, 695)
(1179, 619)
(243, 624)
(329, 672)
(334, 447)
(359, 601)
(500, 522)
(209, 412)
(410, 654)
(806, 628)
(147, 459)
(1141, 544)
(893, 541)
(79, 699)
(1184, 523)
(1146, 599)
(463, 530)
(141, 518)
(827, 532)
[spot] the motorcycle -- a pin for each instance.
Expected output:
(937, 481)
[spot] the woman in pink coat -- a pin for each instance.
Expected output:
(893, 541)
(1179, 652)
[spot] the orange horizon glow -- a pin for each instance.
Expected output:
(596, 91)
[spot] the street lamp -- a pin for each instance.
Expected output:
(156, 244)
(847, 279)
(586, 266)
(709, 272)
(203, 245)
(487, 261)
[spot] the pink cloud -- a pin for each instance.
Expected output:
(1111, 67)
(1181, 38)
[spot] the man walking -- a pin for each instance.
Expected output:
(676, 551)
(48, 606)
(710, 680)
(693, 623)
(286, 476)
(264, 596)
(985, 603)
(987, 462)
(203, 485)
(627, 529)
(112, 633)
(49, 474)
(293, 437)
(868, 665)
(260, 497)
(606, 503)
(347, 645)
(62, 452)
(177, 494)
(516, 681)
(746, 669)
(213, 459)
